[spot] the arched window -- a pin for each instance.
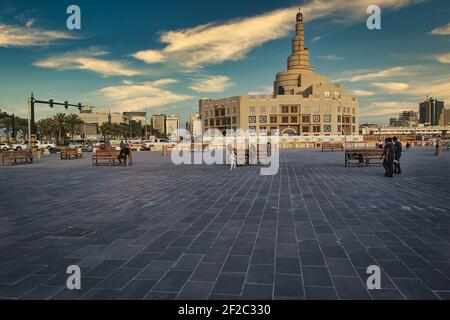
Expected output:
(281, 91)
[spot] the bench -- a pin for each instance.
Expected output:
(332, 147)
(17, 157)
(110, 156)
(70, 154)
(363, 157)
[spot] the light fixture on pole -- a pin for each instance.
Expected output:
(343, 131)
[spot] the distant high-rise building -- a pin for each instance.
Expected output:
(159, 123)
(409, 117)
(445, 118)
(195, 127)
(139, 117)
(172, 124)
(431, 111)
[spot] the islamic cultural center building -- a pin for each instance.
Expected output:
(303, 103)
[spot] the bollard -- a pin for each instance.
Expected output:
(164, 152)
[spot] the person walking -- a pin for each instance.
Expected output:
(398, 147)
(438, 146)
(233, 160)
(388, 158)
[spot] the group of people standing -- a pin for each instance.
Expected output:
(392, 154)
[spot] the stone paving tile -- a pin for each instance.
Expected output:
(253, 291)
(136, 290)
(196, 291)
(414, 289)
(288, 286)
(201, 232)
(229, 284)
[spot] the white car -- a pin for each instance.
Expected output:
(50, 145)
(5, 146)
(20, 146)
(158, 143)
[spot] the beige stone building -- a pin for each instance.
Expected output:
(102, 116)
(303, 103)
(159, 123)
(172, 124)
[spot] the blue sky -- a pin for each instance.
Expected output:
(164, 56)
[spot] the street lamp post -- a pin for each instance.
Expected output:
(343, 131)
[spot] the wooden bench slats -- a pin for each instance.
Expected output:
(112, 156)
(70, 154)
(16, 157)
(367, 156)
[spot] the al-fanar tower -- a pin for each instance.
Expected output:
(303, 103)
(300, 73)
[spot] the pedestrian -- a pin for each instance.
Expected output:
(233, 160)
(408, 146)
(229, 152)
(398, 147)
(388, 158)
(438, 146)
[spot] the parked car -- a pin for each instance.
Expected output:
(5, 147)
(75, 145)
(158, 143)
(50, 145)
(20, 146)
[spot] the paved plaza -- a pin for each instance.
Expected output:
(160, 231)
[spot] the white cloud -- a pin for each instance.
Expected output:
(391, 86)
(87, 60)
(362, 93)
(442, 31)
(316, 39)
(231, 41)
(132, 96)
(213, 84)
(331, 57)
(263, 91)
(387, 108)
(28, 36)
(373, 75)
(439, 90)
(444, 58)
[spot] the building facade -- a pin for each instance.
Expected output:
(431, 112)
(102, 116)
(159, 123)
(195, 128)
(172, 124)
(303, 103)
(445, 118)
(137, 117)
(410, 117)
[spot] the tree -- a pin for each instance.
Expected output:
(74, 124)
(106, 129)
(60, 120)
(21, 125)
(48, 128)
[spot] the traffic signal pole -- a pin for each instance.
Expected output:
(32, 122)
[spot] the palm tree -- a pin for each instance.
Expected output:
(48, 128)
(106, 129)
(74, 123)
(60, 120)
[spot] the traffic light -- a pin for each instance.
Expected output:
(66, 105)
(80, 107)
(51, 103)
